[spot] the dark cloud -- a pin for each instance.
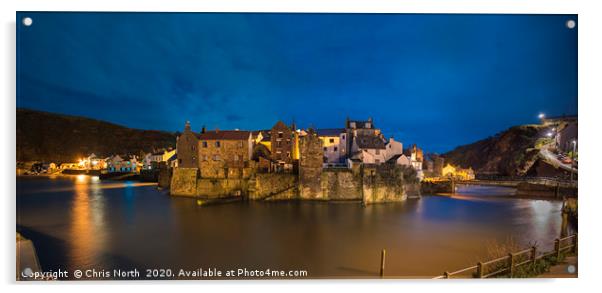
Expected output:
(435, 80)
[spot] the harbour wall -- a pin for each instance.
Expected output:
(372, 185)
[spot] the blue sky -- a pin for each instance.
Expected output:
(436, 80)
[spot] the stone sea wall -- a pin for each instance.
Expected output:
(221, 188)
(387, 183)
(184, 182)
(273, 186)
(341, 185)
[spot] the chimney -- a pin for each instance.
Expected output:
(216, 130)
(203, 130)
(187, 126)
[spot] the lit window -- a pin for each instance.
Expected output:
(216, 157)
(236, 158)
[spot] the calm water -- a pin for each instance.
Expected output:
(80, 222)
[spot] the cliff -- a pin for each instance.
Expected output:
(43, 136)
(509, 153)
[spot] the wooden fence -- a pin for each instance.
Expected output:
(509, 263)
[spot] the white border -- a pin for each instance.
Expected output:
(589, 24)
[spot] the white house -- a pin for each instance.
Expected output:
(156, 157)
(393, 148)
(400, 159)
(369, 149)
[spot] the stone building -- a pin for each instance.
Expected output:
(224, 153)
(364, 142)
(186, 146)
(281, 143)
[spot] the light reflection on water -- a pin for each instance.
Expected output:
(89, 223)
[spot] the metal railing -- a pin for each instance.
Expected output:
(508, 264)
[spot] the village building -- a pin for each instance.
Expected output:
(262, 137)
(333, 145)
(416, 157)
(92, 162)
(187, 148)
(565, 137)
(458, 173)
(69, 166)
(393, 148)
(224, 153)
(399, 159)
(125, 164)
(153, 160)
(369, 149)
(448, 170)
(364, 142)
(281, 140)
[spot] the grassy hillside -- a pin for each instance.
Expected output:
(510, 153)
(43, 136)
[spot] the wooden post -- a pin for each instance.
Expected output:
(557, 249)
(382, 263)
(511, 263)
(533, 254)
(480, 270)
(446, 275)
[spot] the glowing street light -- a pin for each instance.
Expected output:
(541, 115)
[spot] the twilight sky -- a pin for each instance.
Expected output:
(436, 80)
